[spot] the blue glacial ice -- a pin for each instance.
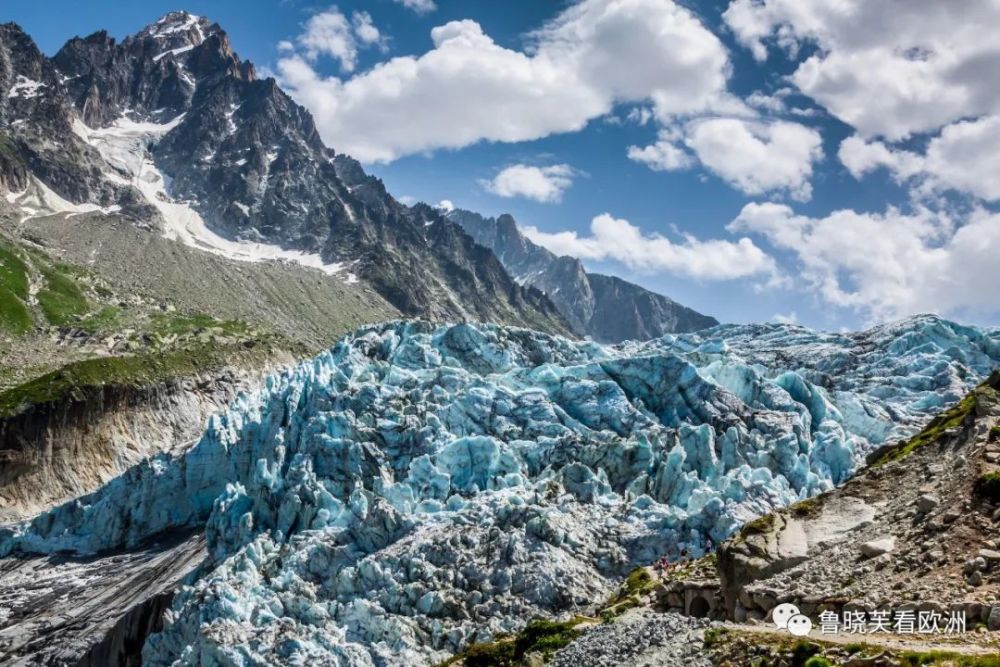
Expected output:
(419, 487)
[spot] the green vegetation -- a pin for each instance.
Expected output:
(182, 323)
(807, 653)
(758, 526)
(103, 320)
(73, 380)
(953, 417)
(540, 636)
(994, 434)
(714, 635)
(806, 508)
(13, 272)
(638, 583)
(914, 659)
(817, 661)
(499, 653)
(988, 486)
(546, 637)
(61, 300)
(14, 315)
(804, 652)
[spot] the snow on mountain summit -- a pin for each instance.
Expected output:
(227, 162)
(178, 32)
(420, 487)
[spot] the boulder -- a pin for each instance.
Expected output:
(878, 547)
(990, 556)
(927, 502)
(993, 620)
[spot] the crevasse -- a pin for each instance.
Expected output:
(419, 486)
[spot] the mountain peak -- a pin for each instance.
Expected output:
(607, 309)
(175, 22)
(171, 124)
(178, 31)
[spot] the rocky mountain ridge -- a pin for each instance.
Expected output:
(169, 125)
(606, 308)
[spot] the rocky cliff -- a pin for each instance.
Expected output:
(170, 125)
(915, 528)
(71, 442)
(606, 308)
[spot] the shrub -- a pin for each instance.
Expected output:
(988, 486)
(818, 661)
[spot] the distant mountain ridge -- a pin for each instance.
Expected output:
(606, 308)
(171, 128)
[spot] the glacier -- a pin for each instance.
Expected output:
(422, 486)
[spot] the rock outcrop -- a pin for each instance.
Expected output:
(94, 611)
(605, 308)
(914, 530)
(54, 451)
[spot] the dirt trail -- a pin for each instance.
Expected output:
(968, 643)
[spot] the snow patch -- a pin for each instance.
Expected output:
(233, 108)
(25, 87)
(164, 27)
(39, 200)
(125, 147)
(173, 52)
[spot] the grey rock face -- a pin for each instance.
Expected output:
(36, 135)
(91, 611)
(606, 308)
(245, 156)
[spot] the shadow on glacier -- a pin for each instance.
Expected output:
(483, 453)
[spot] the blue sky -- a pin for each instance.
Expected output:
(751, 160)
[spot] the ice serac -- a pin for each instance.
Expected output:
(606, 308)
(419, 487)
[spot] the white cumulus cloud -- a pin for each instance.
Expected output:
(889, 68)
(887, 265)
(543, 184)
(758, 157)
(619, 240)
(419, 6)
(663, 155)
(752, 155)
(965, 157)
(468, 88)
(330, 33)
